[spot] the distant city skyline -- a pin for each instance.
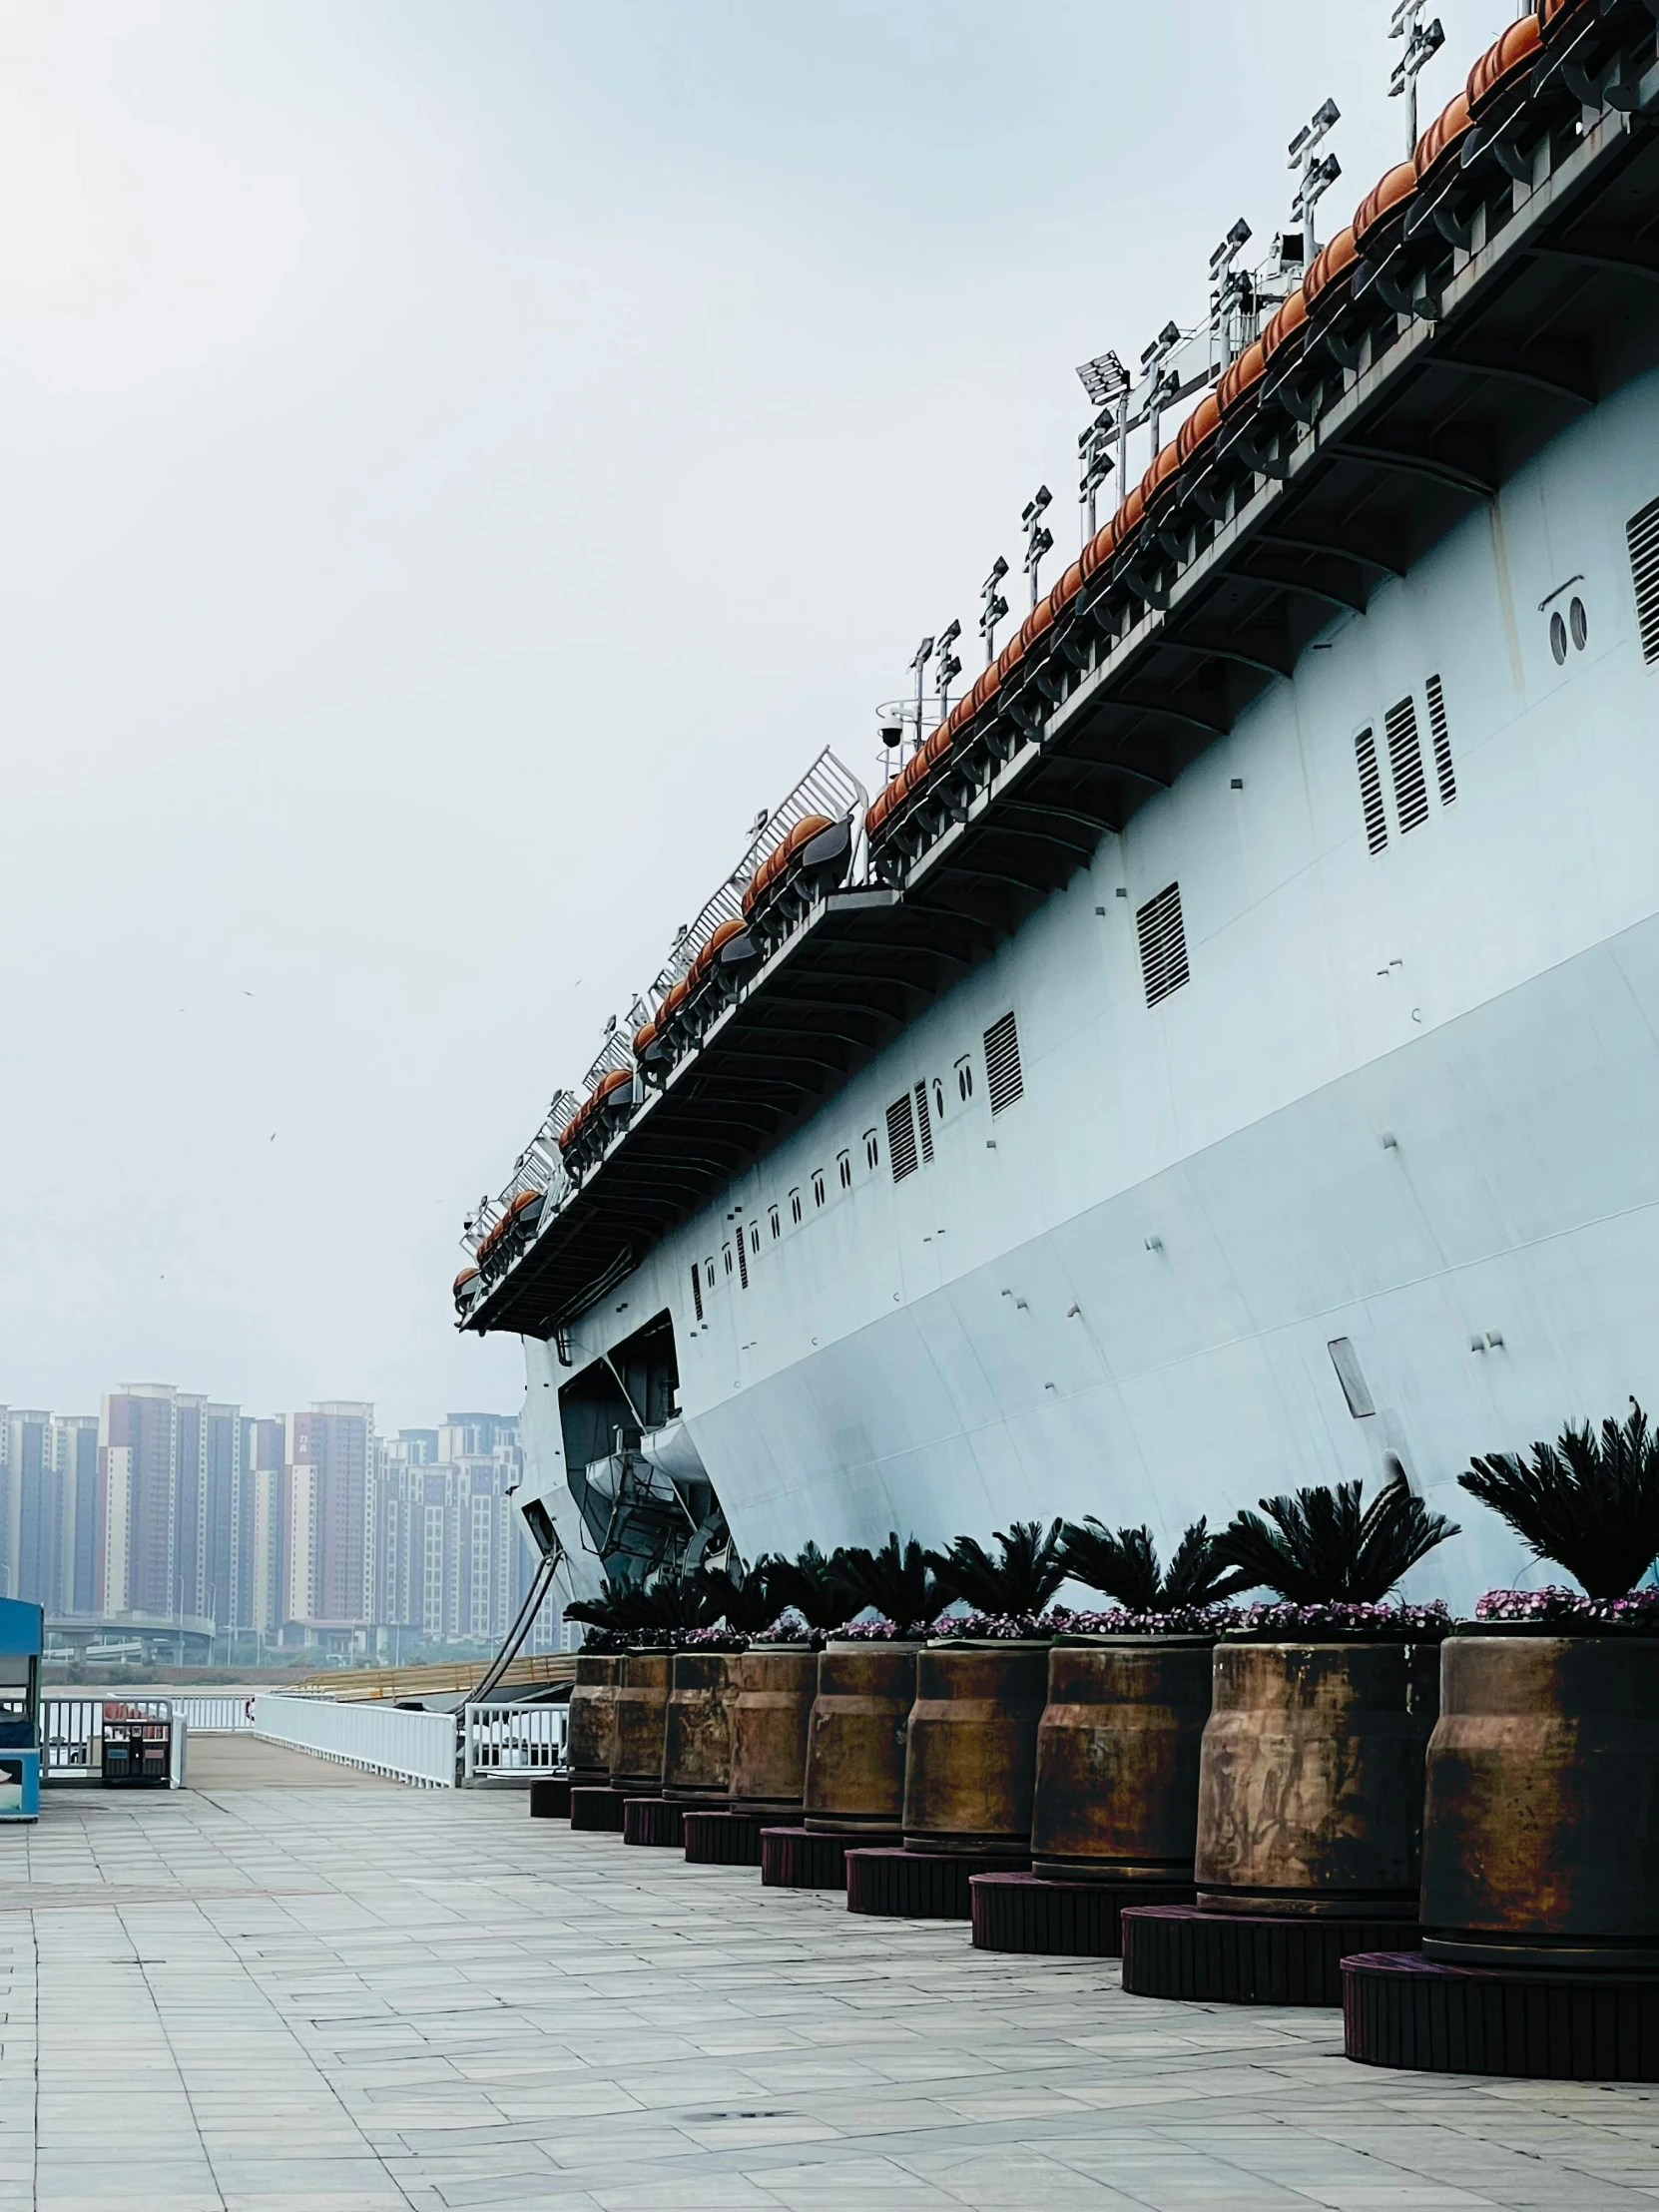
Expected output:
(298, 1530)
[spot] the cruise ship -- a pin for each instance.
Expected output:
(1224, 1052)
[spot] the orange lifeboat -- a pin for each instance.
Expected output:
(1443, 134)
(1558, 13)
(1285, 323)
(1500, 61)
(1330, 262)
(1244, 373)
(1165, 462)
(467, 1275)
(1066, 590)
(1035, 623)
(881, 806)
(805, 831)
(1100, 548)
(616, 1079)
(1199, 428)
(644, 1039)
(674, 1000)
(1387, 193)
(1128, 516)
(1008, 659)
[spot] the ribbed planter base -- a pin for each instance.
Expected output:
(1175, 1950)
(722, 1839)
(550, 1797)
(1401, 2009)
(656, 1821)
(1070, 1920)
(915, 1885)
(598, 1811)
(804, 1859)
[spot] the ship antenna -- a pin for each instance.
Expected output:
(1038, 539)
(947, 667)
(923, 654)
(994, 607)
(1106, 381)
(1423, 42)
(1319, 173)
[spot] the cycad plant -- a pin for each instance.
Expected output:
(813, 1585)
(1125, 1566)
(746, 1599)
(1321, 1547)
(1588, 1502)
(671, 1600)
(898, 1581)
(613, 1608)
(1029, 1570)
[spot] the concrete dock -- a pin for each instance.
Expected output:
(292, 1988)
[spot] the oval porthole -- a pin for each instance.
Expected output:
(1558, 638)
(1579, 622)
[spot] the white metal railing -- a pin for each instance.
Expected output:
(215, 1716)
(72, 1734)
(385, 1739)
(512, 1739)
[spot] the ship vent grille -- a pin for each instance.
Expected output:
(1405, 764)
(901, 1138)
(924, 1122)
(1642, 532)
(1440, 731)
(1163, 937)
(697, 1291)
(743, 1259)
(1371, 792)
(1004, 1082)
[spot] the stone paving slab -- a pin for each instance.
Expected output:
(316, 2000)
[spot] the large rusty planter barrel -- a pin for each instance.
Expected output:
(971, 1758)
(697, 1750)
(592, 1737)
(1117, 1760)
(1542, 1803)
(1310, 1795)
(855, 1737)
(775, 1688)
(641, 1712)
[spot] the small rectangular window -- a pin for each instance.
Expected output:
(1346, 1360)
(1004, 1078)
(817, 1186)
(753, 1236)
(696, 1289)
(727, 1251)
(844, 1169)
(1441, 733)
(1371, 792)
(710, 1274)
(795, 1205)
(1163, 937)
(1406, 763)
(901, 1138)
(776, 1225)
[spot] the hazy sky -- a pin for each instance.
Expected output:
(460, 458)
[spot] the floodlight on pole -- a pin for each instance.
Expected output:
(1319, 173)
(1107, 384)
(947, 667)
(993, 607)
(1229, 287)
(1094, 464)
(1038, 538)
(1423, 42)
(1152, 363)
(923, 654)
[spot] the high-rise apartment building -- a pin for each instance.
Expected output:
(74, 1583)
(330, 1459)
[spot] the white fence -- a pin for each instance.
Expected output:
(385, 1739)
(215, 1716)
(512, 1739)
(72, 1734)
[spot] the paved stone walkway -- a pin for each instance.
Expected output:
(348, 2000)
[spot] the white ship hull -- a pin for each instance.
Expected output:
(1408, 1098)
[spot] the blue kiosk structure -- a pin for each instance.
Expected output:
(22, 1641)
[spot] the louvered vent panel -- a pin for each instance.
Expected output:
(924, 1122)
(1004, 1082)
(1371, 792)
(743, 1259)
(697, 1291)
(1441, 733)
(1405, 764)
(1642, 532)
(901, 1138)
(1163, 937)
